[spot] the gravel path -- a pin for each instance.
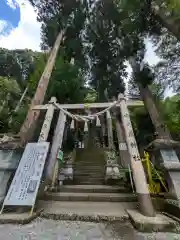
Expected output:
(42, 229)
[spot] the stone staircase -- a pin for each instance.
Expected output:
(88, 203)
(91, 193)
(88, 198)
(89, 167)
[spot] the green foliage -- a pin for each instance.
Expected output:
(144, 77)
(157, 91)
(174, 7)
(8, 86)
(106, 56)
(18, 119)
(138, 18)
(142, 125)
(16, 64)
(56, 15)
(4, 127)
(66, 83)
(171, 110)
(91, 96)
(40, 63)
(9, 95)
(168, 70)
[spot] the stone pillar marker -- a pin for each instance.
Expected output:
(146, 206)
(47, 122)
(109, 130)
(167, 159)
(172, 166)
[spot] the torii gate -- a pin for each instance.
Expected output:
(142, 191)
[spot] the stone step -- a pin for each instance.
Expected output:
(90, 159)
(86, 211)
(85, 159)
(89, 183)
(92, 188)
(88, 178)
(94, 197)
(84, 171)
(80, 179)
(86, 151)
(90, 174)
(91, 156)
(88, 165)
(87, 173)
(85, 168)
(83, 182)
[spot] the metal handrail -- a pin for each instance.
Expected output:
(159, 177)
(151, 167)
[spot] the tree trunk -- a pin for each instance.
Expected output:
(21, 99)
(150, 105)
(19, 104)
(167, 21)
(155, 115)
(4, 102)
(28, 126)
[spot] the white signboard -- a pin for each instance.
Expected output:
(24, 187)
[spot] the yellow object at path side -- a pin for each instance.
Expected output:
(154, 186)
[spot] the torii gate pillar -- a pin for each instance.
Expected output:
(146, 206)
